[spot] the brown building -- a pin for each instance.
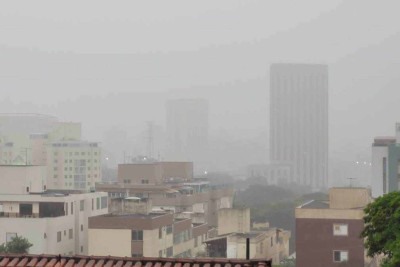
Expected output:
(149, 235)
(328, 233)
(155, 173)
(200, 205)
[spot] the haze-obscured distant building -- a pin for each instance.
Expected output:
(271, 174)
(299, 121)
(72, 163)
(187, 131)
(385, 164)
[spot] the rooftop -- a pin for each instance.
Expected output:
(315, 204)
(92, 261)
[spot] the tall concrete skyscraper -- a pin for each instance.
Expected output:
(187, 130)
(299, 121)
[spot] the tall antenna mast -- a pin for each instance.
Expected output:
(150, 138)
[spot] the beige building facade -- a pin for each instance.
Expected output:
(155, 173)
(233, 221)
(148, 235)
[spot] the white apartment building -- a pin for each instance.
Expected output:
(73, 165)
(55, 222)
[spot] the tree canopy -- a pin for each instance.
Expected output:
(17, 245)
(382, 228)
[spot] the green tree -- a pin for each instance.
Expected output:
(17, 245)
(382, 228)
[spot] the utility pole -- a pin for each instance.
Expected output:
(150, 138)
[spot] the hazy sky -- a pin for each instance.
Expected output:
(60, 58)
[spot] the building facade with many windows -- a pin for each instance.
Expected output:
(299, 121)
(73, 165)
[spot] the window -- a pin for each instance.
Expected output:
(169, 229)
(27, 189)
(98, 203)
(145, 181)
(92, 203)
(82, 205)
(272, 241)
(340, 255)
(65, 232)
(70, 233)
(66, 208)
(72, 207)
(170, 252)
(160, 253)
(340, 229)
(137, 255)
(137, 235)
(58, 236)
(196, 241)
(183, 236)
(103, 202)
(81, 248)
(81, 227)
(160, 232)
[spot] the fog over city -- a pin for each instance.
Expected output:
(113, 66)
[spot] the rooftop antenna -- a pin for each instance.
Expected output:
(350, 181)
(150, 138)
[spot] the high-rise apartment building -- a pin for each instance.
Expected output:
(187, 130)
(34, 139)
(386, 164)
(299, 121)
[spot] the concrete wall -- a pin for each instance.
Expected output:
(177, 170)
(349, 198)
(102, 242)
(14, 179)
(135, 173)
(233, 221)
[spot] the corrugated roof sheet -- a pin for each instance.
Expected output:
(7, 260)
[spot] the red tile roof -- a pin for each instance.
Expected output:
(8, 260)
